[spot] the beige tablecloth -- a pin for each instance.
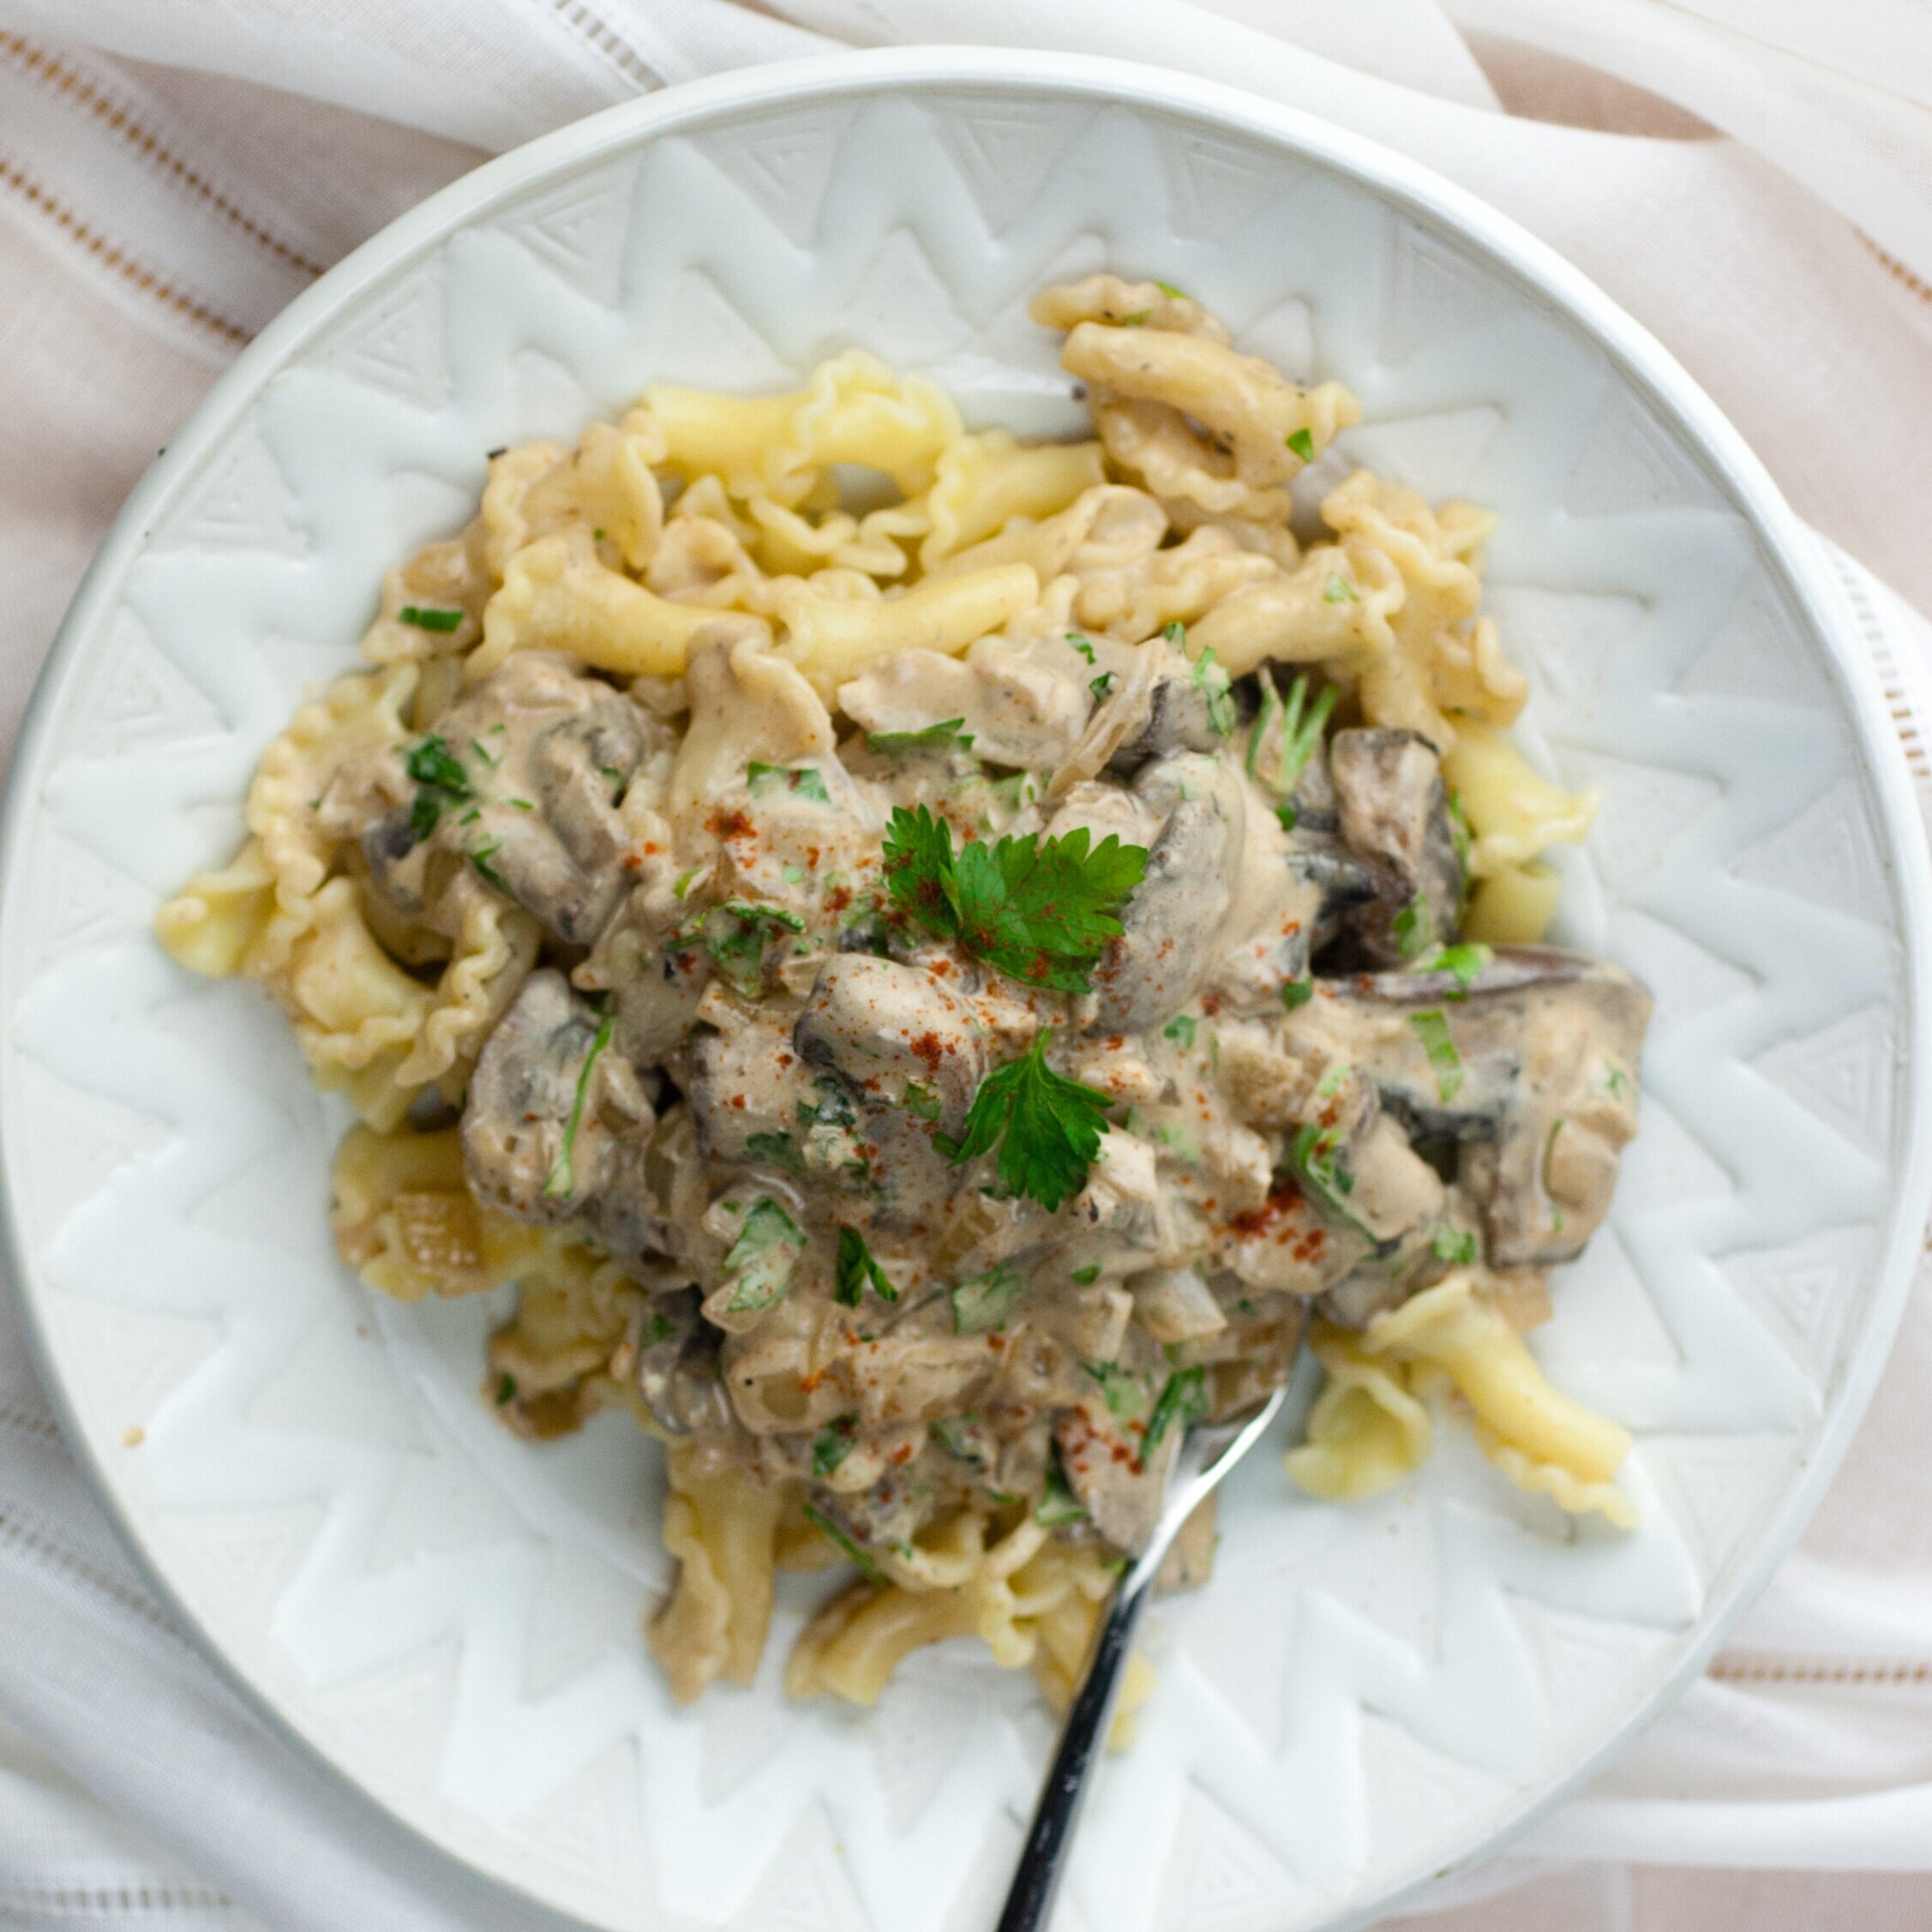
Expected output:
(1752, 178)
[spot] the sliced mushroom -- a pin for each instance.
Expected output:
(1121, 1489)
(677, 1368)
(1180, 718)
(1393, 809)
(755, 1099)
(548, 1107)
(526, 771)
(1532, 1068)
(897, 1036)
(1172, 922)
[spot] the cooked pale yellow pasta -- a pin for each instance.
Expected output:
(930, 959)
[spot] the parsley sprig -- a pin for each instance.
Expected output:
(1047, 1128)
(439, 780)
(1041, 910)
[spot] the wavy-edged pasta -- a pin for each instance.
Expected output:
(759, 793)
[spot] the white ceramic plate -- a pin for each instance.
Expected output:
(1362, 1697)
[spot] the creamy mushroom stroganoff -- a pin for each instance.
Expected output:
(935, 962)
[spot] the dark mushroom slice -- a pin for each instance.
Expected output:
(1121, 1488)
(754, 1098)
(1532, 1068)
(1180, 717)
(896, 1035)
(547, 1104)
(1172, 923)
(677, 1368)
(530, 767)
(1392, 809)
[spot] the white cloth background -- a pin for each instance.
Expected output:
(1752, 178)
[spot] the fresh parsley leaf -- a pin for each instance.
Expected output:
(833, 1108)
(1047, 1128)
(832, 1445)
(662, 1328)
(1183, 1399)
(959, 1436)
(856, 1271)
(1213, 682)
(803, 781)
(506, 1389)
(1314, 1156)
(985, 1301)
(921, 1100)
(561, 1182)
(1297, 992)
(1088, 1276)
(842, 1537)
(1060, 1504)
(780, 1150)
(931, 737)
(430, 762)
(737, 933)
(1180, 1029)
(1339, 589)
(484, 752)
(686, 881)
(1431, 1028)
(480, 855)
(428, 619)
(1454, 1244)
(1302, 443)
(1467, 962)
(424, 812)
(1136, 319)
(1101, 685)
(1168, 288)
(763, 1256)
(1414, 927)
(1041, 910)
(1120, 1390)
(1302, 725)
(1616, 1082)
(1081, 645)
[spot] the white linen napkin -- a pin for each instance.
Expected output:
(169, 176)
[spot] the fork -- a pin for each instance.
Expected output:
(1208, 1452)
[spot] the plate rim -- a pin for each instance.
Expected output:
(1785, 545)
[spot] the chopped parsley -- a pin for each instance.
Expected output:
(661, 1328)
(1047, 1128)
(1182, 1398)
(1414, 927)
(1431, 1028)
(857, 1271)
(1081, 645)
(1119, 1389)
(1467, 962)
(1454, 1244)
(921, 1100)
(1339, 589)
(1088, 1276)
(736, 934)
(1213, 684)
(1181, 1029)
(1297, 992)
(959, 1436)
(561, 1180)
(763, 1256)
(484, 752)
(833, 1108)
(1060, 1504)
(931, 737)
(1302, 443)
(425, 619)
(1617, 1081)
(1041, 910)
(780, 1150)
(439, 781)
(1168, 288)
(686, 881)
(506, 1389)
(1101, 685)
(1314, 1156)
(480, 856)
(803, 781)
(832, 1445)
(1297, 725)
(984, 1302)
(1136, 319)
(842, 1537)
